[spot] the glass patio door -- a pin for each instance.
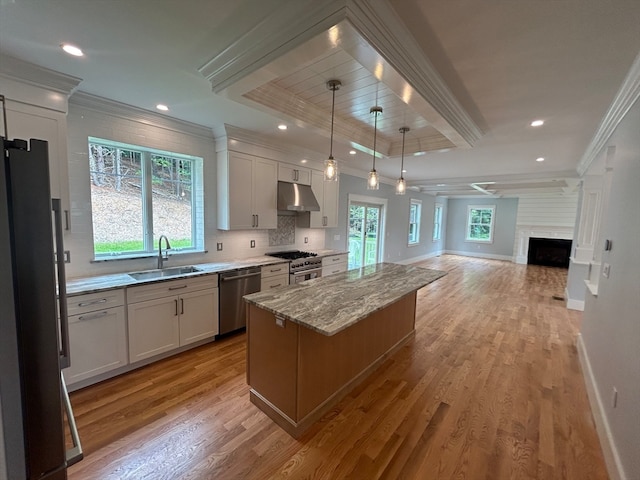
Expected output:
(364, 234)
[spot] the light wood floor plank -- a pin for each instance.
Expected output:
(490, 388)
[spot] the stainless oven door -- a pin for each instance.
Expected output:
(305, 275)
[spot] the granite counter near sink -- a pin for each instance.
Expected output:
(79, 286)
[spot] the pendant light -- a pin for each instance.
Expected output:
(330, 165)
(373, 182)
(401, 184)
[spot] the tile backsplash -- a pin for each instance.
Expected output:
(285, 234)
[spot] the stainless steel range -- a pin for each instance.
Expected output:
(303, 265)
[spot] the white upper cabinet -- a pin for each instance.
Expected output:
(37, 105)
(247, 192)
(294, 174)
(327, 195)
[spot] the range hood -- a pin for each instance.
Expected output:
(296, 197)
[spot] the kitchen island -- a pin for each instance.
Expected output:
(309, 344)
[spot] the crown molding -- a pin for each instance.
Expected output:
(32, 74)
(288, 26)
(625, 98)
(127, 112)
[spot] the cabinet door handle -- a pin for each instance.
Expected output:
(182, 306)
(275, 286)
(257, 220)
(275, 270)
(178, 288)
(92, 302)
(104, 313)
(176, 303)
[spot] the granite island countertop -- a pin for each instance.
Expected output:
(331, 304)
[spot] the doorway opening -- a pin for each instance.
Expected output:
(366, 230)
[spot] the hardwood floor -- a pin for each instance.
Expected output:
(489, 388)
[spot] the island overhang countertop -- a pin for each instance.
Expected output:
(328, 305)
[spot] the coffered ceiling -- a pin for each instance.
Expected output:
(467, 77)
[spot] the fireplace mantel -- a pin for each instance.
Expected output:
(525, 232)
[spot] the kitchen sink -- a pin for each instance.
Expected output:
(164, 272)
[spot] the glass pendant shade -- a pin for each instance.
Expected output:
(401, 183)
(373, 182)
(330, 165)
(330, 170)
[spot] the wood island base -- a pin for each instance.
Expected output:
(297, 374)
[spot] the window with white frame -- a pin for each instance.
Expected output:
(437, 222)
(138, 194)
(415, 210)
(480, 220)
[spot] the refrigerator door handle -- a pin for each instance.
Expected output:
(73, 455)
(65, 361)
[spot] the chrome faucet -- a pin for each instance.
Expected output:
(161, 257)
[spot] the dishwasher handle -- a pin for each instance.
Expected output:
(238, 277)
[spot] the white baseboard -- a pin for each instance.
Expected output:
(611, 457)
(480, 255)
(573, 304)
(421, 258)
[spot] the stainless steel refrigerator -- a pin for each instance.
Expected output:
(33, 323)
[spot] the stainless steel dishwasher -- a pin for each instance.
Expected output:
(233, 286)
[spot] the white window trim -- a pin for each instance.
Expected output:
(197, 213)
(491, 226)
(412, 202)
(438, 221)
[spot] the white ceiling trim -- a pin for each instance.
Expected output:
(16, 69)
(128, 112)
(626, 97)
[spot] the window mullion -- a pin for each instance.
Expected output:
(147, 201)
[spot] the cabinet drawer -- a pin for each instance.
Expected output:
(98, 343)
(334, 259)
(274, 282)
(273, 270)
(91, 302)
(333, 269)
(152, 291)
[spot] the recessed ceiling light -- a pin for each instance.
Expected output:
(444, 150)
(419, 154)
(441, 185)
(540, 159)
(282, 126)
(352, 152)
(404, 171)
(304, 160)
(162, 107)
(72, 50)
(537, 123)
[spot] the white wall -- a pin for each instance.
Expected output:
(610, 332)
(396, 248)
(90, 116)
(504, 228)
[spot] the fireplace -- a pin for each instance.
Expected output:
(551, 252)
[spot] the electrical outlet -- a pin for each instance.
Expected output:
(253, 244)
(336, 237)
(219, 246)
(606, 270)
(306, 239)
(614, 397)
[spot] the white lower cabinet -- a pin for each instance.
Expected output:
(334, 264)
(274, 276)
(166, 315)
(97, 335)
